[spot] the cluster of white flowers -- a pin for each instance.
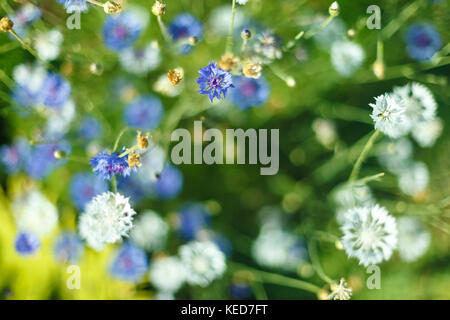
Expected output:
(413, 179)
(370, 234)
(141, 60)
(34, 212)
(413, 238)
(107, 218)
(167, 274)
(388, 115)
(203, 261)
(150, 231)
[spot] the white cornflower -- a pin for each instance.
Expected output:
(346, 57)
(59, 120)
(414, 178)
(34, 212)
(388, 116)
(204, 262)
(340, 291)
(370, 234)
(30, 76)
(426, 133)
(106, 219)
(419, 104)
(150, 231)
(394, 154)
(413, 238)
(48, 44)
(165, 87)
(167, 274)
(275, 248)
(349, 195)
(141, 60)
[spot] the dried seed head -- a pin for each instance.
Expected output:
(159, 8)
(175, 75)
(142, 141)
(112, 7)
(252, 70)
(6, 24)
(228, 61)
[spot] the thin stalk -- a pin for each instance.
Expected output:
(164, 31)
(375, 177)
(230, 30)
(114, 184)
(312, 32)
(312, 249)
(121, 133)
(363, 155)
(97, 3)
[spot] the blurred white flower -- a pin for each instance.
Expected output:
(140, 60)
(30, 76)
(48, 44)
(59, 120)
(150, 231)
(346, 57)
(418, 102)
(242, 2)
(220, 19)
(167, 274)
(413, 238)
(388, 116)
(34, 212)
(340, 291)
(395, 154)
(325, 131)
(165, 87)
(107, 218)
(204, 262)
(426, 133)
(276, 248)
(334, 32)
(370, 234)
(349, 195)
(414, 178)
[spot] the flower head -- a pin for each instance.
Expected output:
(140, 60)
(268, 46)
(413, 178)
(55, 91)
(413, 238)
(120, 32)
(74, 5)
(370, 234)
(6, 24)
(84, 187)
(426, 133)
(90, 128)
(228, 61)
(68, 247)
(340, 291)
(167, 274)
(150, 231)
(175, 76)
(193, 218)
(108, 164)
(169, 182)
(27, 243)
(423, 41)
(144, 112)
(204, 262)
(106, 219)
(48, 44)
(249, 92)
(159, 8)
(346, 57)
(130, 263)
(388, 115)
(214, 81)
(182, 27)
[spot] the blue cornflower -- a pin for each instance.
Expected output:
(84, 187)
(120, 32)
(55, 91)
(107, 164)
(144, 112)
(130, 263)
(184, 26)
(68, 247)
(41, 161)
(423, 41)
(90, 128)
(249, 92)
(214, 81)
(170, 183)
(192, 219)
(74, 5)
(27, 243)
(13, 156)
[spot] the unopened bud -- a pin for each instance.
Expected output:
(6, 24)
(59, 154)
(378, 69)
(246, 34)
(333, 10)
(159, 8)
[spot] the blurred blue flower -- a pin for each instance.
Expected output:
(23, 17)
(121, 31)
(12, 157)
(249, 92)
(55, 91)
(214, 81)
(423, 41)
(74, 5)
(90, 128)
(106, 165)
(27, 243)
(130, 263)
(68, 247)
(184, 26)
(41, 160)
(85, 186)
(170, 183)
(193, 218)
(240, 290)
(144, 112)
(22, 96)
(223, 243)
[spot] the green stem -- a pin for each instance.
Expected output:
(363, 155)
(114, 184)
(164, 31)
(230, 30)
(121, 133)
(404, 15)
(375, 177)
(312, 32)
(6, 80)
(312, 249)
(29, 49)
